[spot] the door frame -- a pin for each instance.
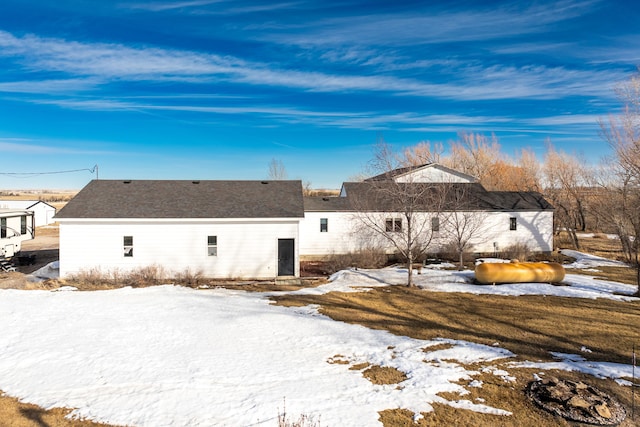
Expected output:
(291, 263)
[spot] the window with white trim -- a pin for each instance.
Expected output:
(513, 223)
(324, 225)
(393, 225)
(127, 243)
(212, 245)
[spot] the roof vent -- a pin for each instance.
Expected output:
(326, 199)
(128, 181)
(195, 182)
(264, 182)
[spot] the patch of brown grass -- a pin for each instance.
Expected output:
(52, 230)
(359, 366)
(437, 347)
(338, 359)
(266, 286)
(17, 414)
(529, 326)
(602, 246)
(12, 280)
(616, 274)
(384, 375)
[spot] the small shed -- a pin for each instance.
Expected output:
(43, 212)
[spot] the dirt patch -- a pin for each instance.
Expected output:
(437, 347)
(384, 375)
(12, 280)
(17, 414)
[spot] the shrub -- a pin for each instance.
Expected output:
(519, 251)
(95, 278)
(364, 258)
(150, 275)
(370, 258)
(188, 277)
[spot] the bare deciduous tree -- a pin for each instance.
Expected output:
(566, 179)
(622, 132)
(399, 213)
(422, 153)
(277, 171)
(474, 154)
(463, 220)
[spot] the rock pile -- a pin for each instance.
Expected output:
(576, 401)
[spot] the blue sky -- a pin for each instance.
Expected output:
(215, 89)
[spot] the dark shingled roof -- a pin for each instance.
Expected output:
(457, 196)
(405, 170)
(327, 204)
(186, 199)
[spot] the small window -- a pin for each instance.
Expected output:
(23, 224)
(435, 224)
(513, 223)
(128, 246)
(212, 245)
(3, 227)
(324, 225)
(393, 225)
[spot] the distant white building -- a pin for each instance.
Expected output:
(43, 212)
(16, 226)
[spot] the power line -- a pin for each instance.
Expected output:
(94, 169)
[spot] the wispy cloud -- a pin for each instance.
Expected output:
(433, 26)
(110, 60)
(221, 7)
(89, 65)
(283, 114)
(163, 6)
(49, 86)
(34, 147)
(566, 119)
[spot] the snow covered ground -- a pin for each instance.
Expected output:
(172, 356)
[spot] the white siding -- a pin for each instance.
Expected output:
(535, 229)
(246, 249)
(345, 233)
(432, 174)
(340, 238)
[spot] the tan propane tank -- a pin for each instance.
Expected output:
(519, 272)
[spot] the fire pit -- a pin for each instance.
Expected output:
(576, 401)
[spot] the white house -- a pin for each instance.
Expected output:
(263, 229)
(43, 212)
(16, 226)
(490, 220)
(223, 229)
